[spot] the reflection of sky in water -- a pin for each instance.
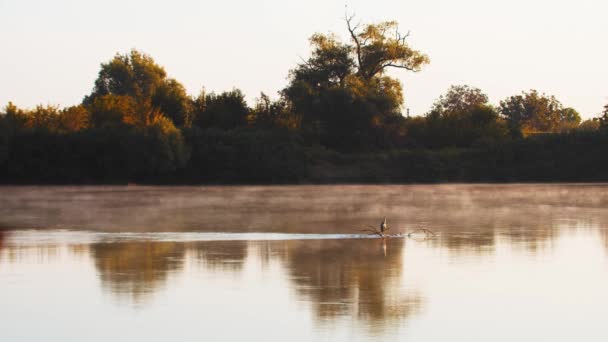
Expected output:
(544, 280)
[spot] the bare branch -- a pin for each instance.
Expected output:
(398, 66)
(353, 34)
(399, 38)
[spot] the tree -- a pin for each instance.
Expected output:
(73, 119)
(14, 118)
(459, 98)
(590, 125)
(137, 75)
(381, 46)
(570, 120)
(533, 112)
(227, 110)
(272, 114)
(110, 110)
(603, 119)
(4, 143)
(462, 117)
(341, 91)
(330, 62)
(134, 74)
(173, 101)
(43, 118)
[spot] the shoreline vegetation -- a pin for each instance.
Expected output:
(339, 120)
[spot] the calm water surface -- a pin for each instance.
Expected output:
(508, 263)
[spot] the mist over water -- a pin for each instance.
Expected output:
(509, 262)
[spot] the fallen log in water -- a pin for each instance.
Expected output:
(372, 231)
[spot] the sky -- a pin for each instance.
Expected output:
(51, 50)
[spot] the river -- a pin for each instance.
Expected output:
(248, 263)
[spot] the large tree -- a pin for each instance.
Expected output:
(227, 110)
(342, 91)
(137, 76)
(462, 117)
(458, 98)
(381, 46)
(532, 112)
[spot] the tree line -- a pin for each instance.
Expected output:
(339, 114)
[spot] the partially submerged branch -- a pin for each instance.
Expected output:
(373, 231)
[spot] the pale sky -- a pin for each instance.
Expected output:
(51, 50)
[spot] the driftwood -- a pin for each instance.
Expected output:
(373, 231)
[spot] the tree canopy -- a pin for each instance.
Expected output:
(340, 105)
(457, 99)
(381, 46)
(532, 112)
(137, 76)
(462, 117)
(227, 110)
(341, 91)
(604, 117)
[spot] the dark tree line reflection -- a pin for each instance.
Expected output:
(136, 269)
(361, 279)
(354, 279)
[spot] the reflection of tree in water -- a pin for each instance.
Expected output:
(352, 278)
(605, 238)
(219, 255)
(482, 241)
(2, 238)
(136, 269)
(43, 253)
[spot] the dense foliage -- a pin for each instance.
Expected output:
(339, 119)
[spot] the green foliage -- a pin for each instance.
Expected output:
(458, 99)
(590, 125)
(460, 118)
(603, 119)
(134, 74)
(341, 93)
(245, 156)
(380, 46)
(48, 118)
(139, 125)
(111, 110)
(4, 140)
(543, 158)
(173, 101)
(227, 110)
(272, 114)
(73, 119)
(329, 65)
(532, 112)
(138, 77)
(570, 120)
(110, 154)
(466, 128)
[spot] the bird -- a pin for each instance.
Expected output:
(383, 226)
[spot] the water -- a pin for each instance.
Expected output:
(508, 263)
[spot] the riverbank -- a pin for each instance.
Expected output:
(279, 158)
